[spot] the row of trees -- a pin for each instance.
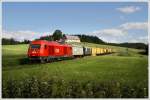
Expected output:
(90, 39)
(57, 35)
(129, 45)
(12, 41)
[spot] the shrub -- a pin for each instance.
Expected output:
(59, 88)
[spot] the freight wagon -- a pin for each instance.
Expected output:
(109, 50)
(87, 51)
(102, 51)
(93, 51)
(99, 51)
(77, 51)
(105, 51)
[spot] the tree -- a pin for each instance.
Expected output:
(146, 49)
(57, 35)
(26, 41)
(90, 39)
(48, 38)
(10, 41)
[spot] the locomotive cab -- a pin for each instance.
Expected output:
(37, 50)
(34, 49)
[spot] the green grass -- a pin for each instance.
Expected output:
(11, 54)
(89, 68)
(124, 66)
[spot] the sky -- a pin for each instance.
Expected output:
(114, 22)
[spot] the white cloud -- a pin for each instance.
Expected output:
(122, 33)
(129, 9)
(21, 35)
(143, 39)
(111, 35)
(0, 30)
(110, 39)
(134, 25)
(111, 32)
(122, 29)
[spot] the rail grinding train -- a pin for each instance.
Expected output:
(45, 51)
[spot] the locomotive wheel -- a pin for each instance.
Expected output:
(42, 60)
(47, 60)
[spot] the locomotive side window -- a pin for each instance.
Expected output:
(35, 46)
(45, 46)
(57, 50)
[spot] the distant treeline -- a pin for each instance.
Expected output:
(13, 41)
(90, 39)
(129, 45)
(47, 37)
(132, 45)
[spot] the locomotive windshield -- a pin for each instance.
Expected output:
(35, 46)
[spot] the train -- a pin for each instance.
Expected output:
(47, 51)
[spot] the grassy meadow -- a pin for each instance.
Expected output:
(126, 66)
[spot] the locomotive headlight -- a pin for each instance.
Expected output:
(33, 51)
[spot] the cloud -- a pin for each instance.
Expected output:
(111, 32)
(129, 9)
(143, 39)
(110, 39)
(135, 25)
(23, 34)
(111, 35)
(122, 33)
(122, 29)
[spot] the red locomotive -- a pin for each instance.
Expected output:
(48, 51)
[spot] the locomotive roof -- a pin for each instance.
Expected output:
(48, 42)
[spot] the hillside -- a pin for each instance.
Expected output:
(127, 67)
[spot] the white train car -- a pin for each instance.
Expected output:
(77, 51)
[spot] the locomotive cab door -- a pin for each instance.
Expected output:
(65, 51)
(51, 50)
(45, 51)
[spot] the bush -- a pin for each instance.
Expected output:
(58, 88)
(23, 61)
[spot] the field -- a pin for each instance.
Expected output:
(126, 66)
